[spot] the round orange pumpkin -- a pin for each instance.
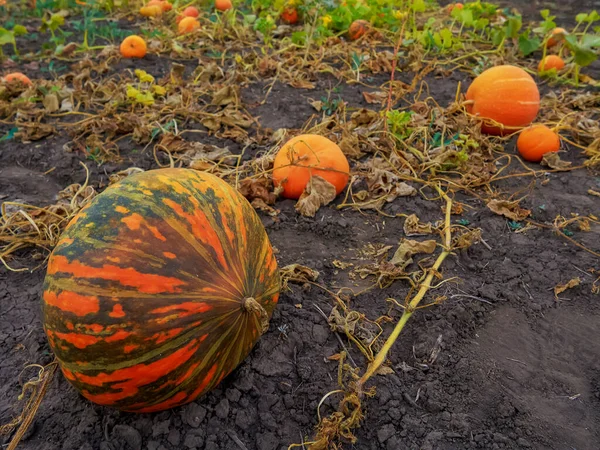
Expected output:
(505, 94)
(188, 25)
(307, 155)
(357, 29)
(133, 47)
(537, 140)
(191, 11)
(164, 5)
(551, 62)
(223, 5)
(17, 77)
(452, 6)
(151, 11)
(556, 36)
(290, 15)
(158, 289)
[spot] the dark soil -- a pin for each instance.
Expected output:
(517, 368)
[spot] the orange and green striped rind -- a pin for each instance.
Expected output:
(142, 301)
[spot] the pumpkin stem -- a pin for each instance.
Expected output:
(252, 306)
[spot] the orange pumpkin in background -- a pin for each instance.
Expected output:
(556, 36)
(537, 140)
(164, 5)
(357, 29)
(223, 5)
(188, 25)
(290, 15)
(505, 94)
(191, 11)
(16, 77)
(452, 6)
(307, 155)
(551, 62)
(151, 11)
(133, 47)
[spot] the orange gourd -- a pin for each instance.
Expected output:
(537, 140)
(17, 77)
(556, 36)
(454, 5)
(151, 11)
(164, 5)
(188, 25)
(289, 15)
(506, 95)
(357, 29)
(307, 155)
(223, 5)
(133, 47)
(191, 11)
(551, 62)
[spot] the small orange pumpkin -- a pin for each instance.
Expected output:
(17, 77)
(188, 25)
(452, 6)
(223, 5)
(133, 47)
(357, 29)
(289, 15)
(151, 11)
(307, 155)
(551, 62)
(164, 5)
(537, 140)
(556, 36)
(505, 94)
(191, 11)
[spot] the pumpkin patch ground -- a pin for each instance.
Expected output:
(489, 263)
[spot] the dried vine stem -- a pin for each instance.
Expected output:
(414, 303)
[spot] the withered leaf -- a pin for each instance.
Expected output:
(508, 209)
(384, 370)
(297, 273)
(302, 84)
(375, 97)
(593, 192)
(33, 131)
(553, 161)
(116, 177)
(408, 248)
(568, 285)
(51, 103)
(318, 192)
(414, 227)
(364, 117)
(259, 204)
(225, 96)
(258, 188)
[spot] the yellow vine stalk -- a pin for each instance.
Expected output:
(408, 311)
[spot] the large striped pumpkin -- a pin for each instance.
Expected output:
(158, 289)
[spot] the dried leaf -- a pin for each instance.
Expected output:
(408, 248)
(593, 192)
(553, 161)
(317, 104)
(259, 204)
(116, 177)
(568, 285)
(341, 265)
(375, 97)
(384, 370)
(509, 209)
(297, 273)
(227, 95)
(258, 188)
(318, 192)
(51, 103)
(302, 84)
(413, 226)
(364, 117)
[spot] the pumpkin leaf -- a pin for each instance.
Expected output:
(414, 227)
(144, 76)
(528, 45)
(408, 248)
(560, 288)
(318, 192)
(508, 209)
(6, 37)
(258, 188)
(553, 161)
(296, 273)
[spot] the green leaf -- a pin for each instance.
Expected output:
(19, 30)
(6, 37)
(498, 36)
(466, 17)
(582, 55)
(545, 13)
(590, 41)
(582, 17)
(446, 35)
(418, 5)
(593, 16)
(513, 26)
(528, 45)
